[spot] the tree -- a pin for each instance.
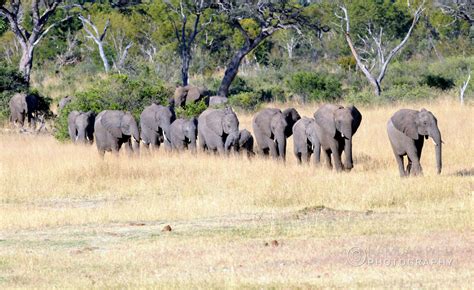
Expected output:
(98, 38)
(460, 9)
(256, 21)
(182, 13)
(29, 39)
(373, 53)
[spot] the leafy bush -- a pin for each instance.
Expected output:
(364, 97)
(437, 81)
(314, 86)
(11, 82)
(191, 110)
(118, 92)
(239, 85)
(248, 101)
(408, 93)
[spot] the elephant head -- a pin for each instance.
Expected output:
(420, 123)
(225, 124)
(190, 133)
(281, 126)
(340, 123)
(81, 126)
(311, 132)
(122, 125)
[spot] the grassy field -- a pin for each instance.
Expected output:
(70, 219)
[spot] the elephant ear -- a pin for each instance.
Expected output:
(214, 122)
(72, 117)
(356, 118)
(324, 117)
(405, 121)
(112, 120)
(150, 119)
(291, 117)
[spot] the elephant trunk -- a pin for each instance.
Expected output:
(135, 139)
(281, 144)
(348, 152)
(232, 140)
(436, 136)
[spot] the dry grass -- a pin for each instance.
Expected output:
(70, 219)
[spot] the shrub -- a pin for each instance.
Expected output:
(239, 85)
(437, 81)
(117, 92)
(314, 86)
(191, 110)
(11, 81)
(408, 93)
(248, 101)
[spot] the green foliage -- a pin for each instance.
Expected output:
(248, 101)
(315, 86)
(3, 26)
(117, 92)
(11, 82)
(408, 93)
(239, 85)
(436, 81)
(191, 110)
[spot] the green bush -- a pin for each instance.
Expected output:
(248, 101)
(437, 81)
(408, 93)
(314, 86)
(11, 82)
(191, 110)
(117, 92)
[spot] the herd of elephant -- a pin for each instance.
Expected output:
(330, 131)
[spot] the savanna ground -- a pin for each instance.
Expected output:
(70, 219)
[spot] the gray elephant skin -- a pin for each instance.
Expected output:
(246, 143)
(183, 134)
(216, 101)
(23, 107)
(271, 128)
(218, 130)
(189, 94)
(81, 126)
(336, 126)
(155, 122)
(112, 129)
(63, 102)
(407, 130)
(306, 141)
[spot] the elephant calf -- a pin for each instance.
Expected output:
(112, 129)
(306, 141)
(81, 126)
(246, 142)
(407, 130)
(183, 134)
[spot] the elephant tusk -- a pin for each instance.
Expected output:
(342, 134)
(434, 142)
(166, 138)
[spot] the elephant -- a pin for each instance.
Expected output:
(81, 126)
(23, 106)
(183, 134)
(336, 126)
(155, 121)
(216, 101)
(184, 95)
(114, 128)
(271, 128)
(406, 129)
(218, 129)
(63, 102)
(306, 141)
(246, 142)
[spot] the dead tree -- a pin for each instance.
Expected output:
(463, 88)
(270, 16)
(459, 9)
(121, 49)
(98, 38)
(375, 56)
(182, 10)
(40, 13)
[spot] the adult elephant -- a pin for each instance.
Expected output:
(81, 126)
(406, 129)
(113, 128)
(336, 125)
(306, 141)
(189, 94)
(271, 128)
(183, 134)
(155, 121)
(218, 130)
(22, 107)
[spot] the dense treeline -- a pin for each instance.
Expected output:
(283, 50)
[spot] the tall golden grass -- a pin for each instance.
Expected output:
(58, 190)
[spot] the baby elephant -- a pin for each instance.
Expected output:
(306, 141)
(246, 142)
(183, 134)
(81, 126)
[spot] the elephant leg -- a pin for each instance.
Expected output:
(336, 155)
(298, 157)
(304, 156)
(401, 166)
(317, 153)
(272, 147)
(414, 163)
(327, 153)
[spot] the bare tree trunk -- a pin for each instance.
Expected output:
(26, 61)
(463, 88)
(231, 72)
(186, 61)
(98, 38)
